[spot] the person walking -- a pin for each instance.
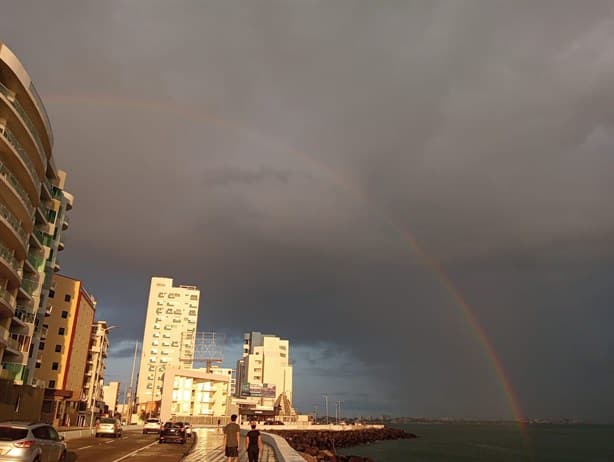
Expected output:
(253, 442)
(231, 439)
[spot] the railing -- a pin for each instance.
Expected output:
(6, 296)
(15, 371)
(43, 111)
(6, 253)
(25, 316)
(26, 118)
(36, 260)
(23, 154)
(14, 222)
(4, 171)
(4, 334)
(29, 285)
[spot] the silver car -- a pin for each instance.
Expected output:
(109, 426)
(30, 442)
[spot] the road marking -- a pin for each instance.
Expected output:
(134, 452)
(107, 442)
(84, 447)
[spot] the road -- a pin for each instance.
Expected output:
(132, 445)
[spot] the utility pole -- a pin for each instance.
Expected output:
(326, 406)
(130, 399)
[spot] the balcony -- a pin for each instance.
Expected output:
(22, 154)
(36, 260)
(15, 371)
(10, 96)
(16, 185)
(7, 302)
(29, 286)
(25, 316)
(14, 223)
(7, 255)
(4, 335)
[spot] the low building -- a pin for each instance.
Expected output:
(195, 394)
(110, 394)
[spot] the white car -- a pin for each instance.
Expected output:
(23, 442)
(152, 426)
(109, 426)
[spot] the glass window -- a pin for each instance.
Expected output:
(55, 366)
(53, 435)
(51, 293)
(61, 331)
(64, 314)
(52, 384)
(42, 433)
(67, 297)
(41, 345)
(58, 348)
(12, 434)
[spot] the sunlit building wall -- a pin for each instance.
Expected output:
(169, 336)
(195, 392)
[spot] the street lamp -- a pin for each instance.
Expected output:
(326, 406)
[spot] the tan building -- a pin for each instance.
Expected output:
(92, 403)
(110, 395)
(190, 394)
(168, 338)
(33, 209)
(64, 349)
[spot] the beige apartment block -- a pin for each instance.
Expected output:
(33, 206)
(264, 373)
(111, 395)
(168, 339)
(92, 403)
(64, 349)
(192, 393)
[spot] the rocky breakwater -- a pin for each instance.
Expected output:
(321, 445)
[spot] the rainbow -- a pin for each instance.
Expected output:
(342, 183)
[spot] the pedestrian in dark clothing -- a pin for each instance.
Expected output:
(253, 442)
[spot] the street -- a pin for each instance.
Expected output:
(132, 444)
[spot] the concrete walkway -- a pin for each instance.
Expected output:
(208, 448)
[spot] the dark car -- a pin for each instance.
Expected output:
(172, 432)
(273, 422)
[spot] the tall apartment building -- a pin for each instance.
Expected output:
(92, 398)
(264, 372)
(33, 209)
(168, 340)
(64, 350)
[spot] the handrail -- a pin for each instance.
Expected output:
(13, 141)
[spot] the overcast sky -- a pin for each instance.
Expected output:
(283, 155)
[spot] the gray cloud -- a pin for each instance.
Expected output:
(278, 155)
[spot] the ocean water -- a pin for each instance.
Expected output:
(494, 443)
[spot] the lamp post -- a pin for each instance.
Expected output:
(131, 394)
(326, 407)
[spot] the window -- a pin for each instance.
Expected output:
(52, 384)
(58, 348)
(51, 293)
(38, 365)
(41, 345)
(64, 314)
(55, 366)
(61, 331)
(41, 433)
(67, 297)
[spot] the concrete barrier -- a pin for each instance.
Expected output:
(283, 451)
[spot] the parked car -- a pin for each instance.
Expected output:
(109, 426)
(152, 426)
(187, 428)
(273, 422)
(29, 442)
(172, 431)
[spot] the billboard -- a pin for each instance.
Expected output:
(258, 390)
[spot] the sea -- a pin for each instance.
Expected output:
(456, 442)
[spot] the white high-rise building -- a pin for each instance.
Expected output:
(265, 370)
(168, 340)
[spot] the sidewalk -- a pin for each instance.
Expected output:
(209, 448)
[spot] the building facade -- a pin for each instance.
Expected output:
(64, 349)
(168, 339)
(33, 207)
(265, 371)
(191, 394)
(92, 402)
(110, 394)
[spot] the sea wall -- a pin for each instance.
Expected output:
(321, 445)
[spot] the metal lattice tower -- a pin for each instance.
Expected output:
(209, 348)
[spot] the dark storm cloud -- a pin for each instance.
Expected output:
(278, 154)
